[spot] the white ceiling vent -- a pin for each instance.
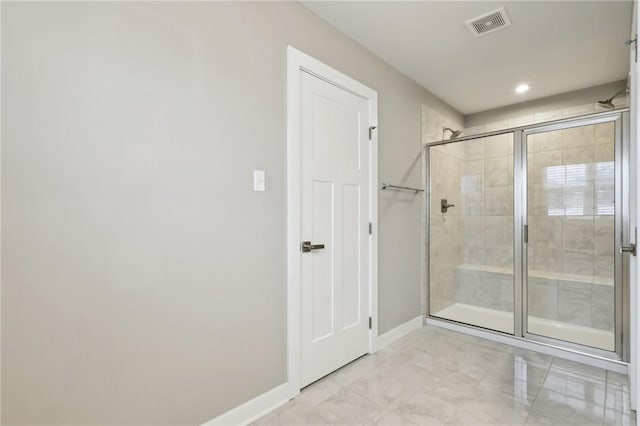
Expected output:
(489, 22)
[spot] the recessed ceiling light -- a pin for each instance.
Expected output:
(522, 88)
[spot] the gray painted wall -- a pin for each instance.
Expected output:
(143, 282)
(551, 103)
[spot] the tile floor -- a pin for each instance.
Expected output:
(439, 377)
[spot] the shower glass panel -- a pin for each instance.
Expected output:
(471, 244)
(570, 252)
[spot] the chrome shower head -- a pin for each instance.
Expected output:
(608, 103)
(454, 133)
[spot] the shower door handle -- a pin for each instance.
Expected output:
(445, 205)
(631, 248)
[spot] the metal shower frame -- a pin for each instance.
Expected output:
(520, 337)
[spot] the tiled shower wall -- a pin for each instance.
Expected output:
(571, 226)
(571, 196)
(446, 166)
(487, 201)
(446, 233)
(571, 189)
(571, 221)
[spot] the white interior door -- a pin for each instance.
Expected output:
(335, 154)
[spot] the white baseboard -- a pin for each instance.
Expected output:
(280, 395)
(254, 408)
(400, 331)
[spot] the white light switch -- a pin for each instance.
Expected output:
(258, 180)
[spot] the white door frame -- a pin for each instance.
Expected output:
(634, 214)
(296, 62)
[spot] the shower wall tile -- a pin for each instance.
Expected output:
(542, 295)
(544, 259)
(577, 262)
(578, 137)
(545, 231)
(602, 307)
(474, 255)
(498, 231)
(577, 232)
(474, 150)
(498, 171)
(604, 265)
(604, 198)
(467, 283)
(476, 130)
(603, 231)
(499, 125)
(442, 286)
(485, 289)
(582, 155)
(522, 121)
(472, 202)
(544, 141)
(498, 255)
(605, 152)
(547, 116)
(578, 110)
(435, 194)
(579, 200)
(498, 146)
(473, 232)
(498, 201)
(506, 293)
(546, 200)
(473, 172)
(574, 303)
(545, 167)
(446, 169)
(488, 293)
(455, 150)
(604, 133)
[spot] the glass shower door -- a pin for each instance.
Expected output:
(471, 244)
(573, 226)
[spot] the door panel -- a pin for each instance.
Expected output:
(471, 245)
(571, 251)
(322, 267)
(335, 200)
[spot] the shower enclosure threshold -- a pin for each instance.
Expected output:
(503, 321)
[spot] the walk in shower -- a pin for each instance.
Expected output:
(524, 232)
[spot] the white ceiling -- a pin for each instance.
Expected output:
(555, 46)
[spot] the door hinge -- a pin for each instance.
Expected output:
(370, 228)
(370, 323)
(371, 129)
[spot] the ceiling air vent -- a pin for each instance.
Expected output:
(489, 22)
